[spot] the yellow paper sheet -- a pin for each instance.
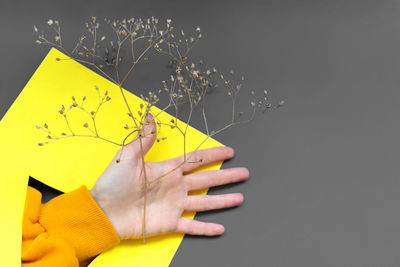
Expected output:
(70, 163)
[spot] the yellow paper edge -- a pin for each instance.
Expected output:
(69, 163)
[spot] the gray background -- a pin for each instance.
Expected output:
(324, 187)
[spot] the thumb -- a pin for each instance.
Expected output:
(148, 135)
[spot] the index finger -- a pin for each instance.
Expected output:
(202, 157)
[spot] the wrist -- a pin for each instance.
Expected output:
(106, 210)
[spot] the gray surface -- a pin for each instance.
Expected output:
(324, 187)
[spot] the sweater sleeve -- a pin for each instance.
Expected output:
(67, 231)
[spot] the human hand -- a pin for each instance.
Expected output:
(120, 190)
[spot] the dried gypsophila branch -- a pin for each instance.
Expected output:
(187, 85)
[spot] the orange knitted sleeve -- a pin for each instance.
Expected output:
(67, 231)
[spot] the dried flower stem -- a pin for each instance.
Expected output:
(188, 85)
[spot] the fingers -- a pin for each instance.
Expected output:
(149, 134)
(206, 179)
(212, 202)
(193, 227)
(204, 157)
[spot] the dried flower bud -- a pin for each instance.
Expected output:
(38, 127)
(86, 125)
(46, 126)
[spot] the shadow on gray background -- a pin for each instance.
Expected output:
(324, 187)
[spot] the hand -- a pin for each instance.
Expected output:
(120, 190)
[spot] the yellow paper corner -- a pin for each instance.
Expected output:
(67, 164)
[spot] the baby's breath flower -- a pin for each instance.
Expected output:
(187, 85)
